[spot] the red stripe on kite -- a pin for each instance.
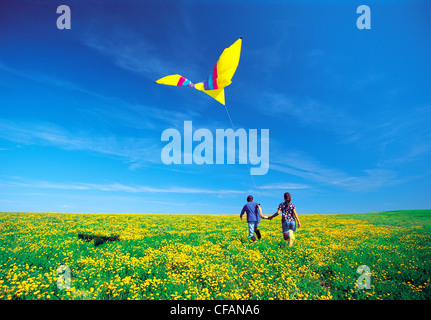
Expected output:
(181, 81)
(215, 77)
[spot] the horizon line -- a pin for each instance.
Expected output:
(202, 214)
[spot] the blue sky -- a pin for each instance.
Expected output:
(81, 118)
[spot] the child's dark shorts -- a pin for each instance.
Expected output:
(288, 225)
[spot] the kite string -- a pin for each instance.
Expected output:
(227, 111)
(233, 127)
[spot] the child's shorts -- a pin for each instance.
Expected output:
(288, 225)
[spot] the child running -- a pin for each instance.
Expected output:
(254, 213)
(288, 217)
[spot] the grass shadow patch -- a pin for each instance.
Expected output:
(98, 240)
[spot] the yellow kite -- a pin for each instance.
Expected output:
(219, 78)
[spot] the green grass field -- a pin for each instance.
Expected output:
(210, 257)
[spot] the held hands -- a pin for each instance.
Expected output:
(264, 217)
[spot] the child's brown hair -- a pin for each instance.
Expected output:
(287, 197)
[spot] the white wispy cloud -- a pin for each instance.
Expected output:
(136, 115)
(131, 51)
(109, 109)
(308, 111)
(130, 149)
(127, 188)
(284, 186)
(41, 78)
(300, 165)
(403, 136)
(113, 187)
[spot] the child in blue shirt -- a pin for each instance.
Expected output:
(254, 213)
